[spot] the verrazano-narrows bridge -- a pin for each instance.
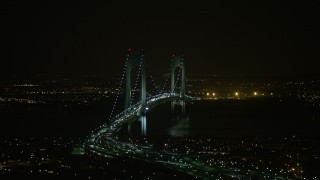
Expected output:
(102, 141)
(137, 111)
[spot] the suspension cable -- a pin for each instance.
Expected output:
(119, 89)
(153, 82)
(136, 82)
(166, 80)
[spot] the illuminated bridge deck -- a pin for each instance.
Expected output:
(132, 114)
(102, 143)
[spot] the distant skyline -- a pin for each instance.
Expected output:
(227, 39)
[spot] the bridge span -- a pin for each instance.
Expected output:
(131, 114)
(103, 140)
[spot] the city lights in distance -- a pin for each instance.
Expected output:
(236, 93)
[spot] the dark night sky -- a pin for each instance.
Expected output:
(279, 39)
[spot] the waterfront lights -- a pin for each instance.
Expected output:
(236, 94)
(255, 93)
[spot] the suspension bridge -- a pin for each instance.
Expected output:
(103, 141)
(137, 111)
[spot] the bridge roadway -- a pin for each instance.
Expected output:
(131, 114)
(102, 142)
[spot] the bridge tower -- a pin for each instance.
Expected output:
(136, 58)
(178, 63)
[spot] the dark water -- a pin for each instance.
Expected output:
(50, 120)
(224, 118)
(238, 118)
